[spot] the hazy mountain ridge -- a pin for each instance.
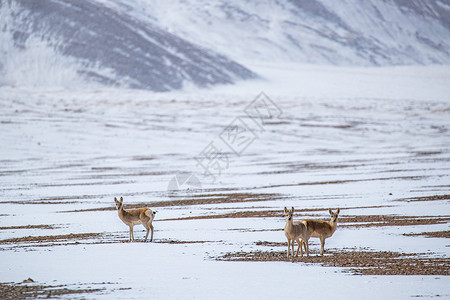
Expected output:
(345, 32)
(112, 48)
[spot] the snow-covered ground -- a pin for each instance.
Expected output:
(338, 137)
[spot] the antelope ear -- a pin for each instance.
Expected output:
(330, 211)
(285, 210)
(338, 210)
(121, 199)
(115, 199)
(292, 209)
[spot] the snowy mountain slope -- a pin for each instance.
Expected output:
(57, 38)
(167, 45)
(346, 32)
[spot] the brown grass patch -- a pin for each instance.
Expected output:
(29, 227)
(270, 244)
(54, 200)
(390, 220)
(346, 181)
(51, 238)
(27, 290)
(239, 214)
(343, 221)
(256, 230)
(30, 242)
(426, 198)
(220, 198)
(200, 199)
(81, 239)
(182, 242)
(434, 234)
(357, 262)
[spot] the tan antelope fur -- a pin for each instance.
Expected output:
(137, 216)
(322, 229)
(295, 231)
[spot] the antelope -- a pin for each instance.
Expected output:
(322, 229)
(295, 232)
(137, 216)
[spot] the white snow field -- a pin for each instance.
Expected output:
(361, 139)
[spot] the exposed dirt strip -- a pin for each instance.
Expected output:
(197, 200)
(434, 234)
(426, 198)
(82, 239)
(390, 220)
(343, 221)
(29, 227)
(357, 262)
(28, 290)
(51, 238)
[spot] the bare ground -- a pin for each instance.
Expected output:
(343, 221)
(29, 242)
(29, 227)
(426, 198)
(198, 199)
(30, 290)
(358, 262)
(434, 234)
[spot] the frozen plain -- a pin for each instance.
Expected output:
(346, 137)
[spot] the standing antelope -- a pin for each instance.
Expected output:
(322, 229)
(295, 232)
(137, 216)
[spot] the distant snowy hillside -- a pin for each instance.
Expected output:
(165, 45)
(338, 32)
(43, 41)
